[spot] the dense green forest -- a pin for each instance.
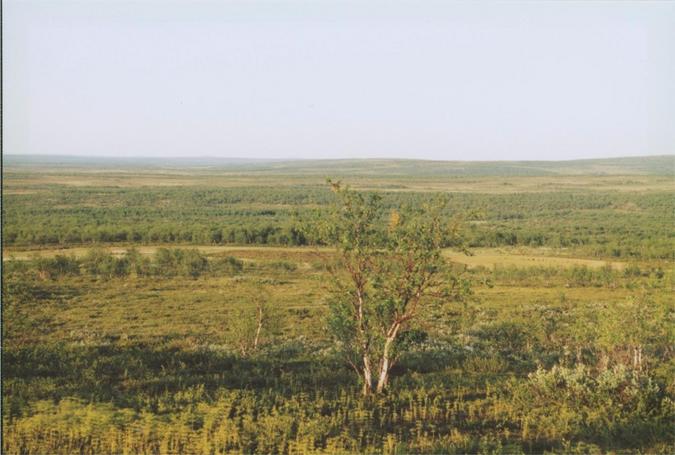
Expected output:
(151, 311)
(591, 223)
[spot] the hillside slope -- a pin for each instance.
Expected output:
(648, 165)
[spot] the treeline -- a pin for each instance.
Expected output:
(190, 262)
(651, 276)
(636, 245)
(593, 224)
(265, 234)
(100, 263)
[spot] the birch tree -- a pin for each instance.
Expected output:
(389, 269)
(249, 325)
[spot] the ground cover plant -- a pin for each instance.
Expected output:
(161, 344)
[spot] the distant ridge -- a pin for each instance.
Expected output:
(643, 165)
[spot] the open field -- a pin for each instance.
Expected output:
(199, 308)
(483, 257)
(124, 296)
(18, 182)
(26, 175)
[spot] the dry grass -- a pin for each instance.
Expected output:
(475, 184)
(485, 257)
(491, 257)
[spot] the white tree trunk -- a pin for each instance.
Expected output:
(635, 357)
(258, 329)
(386, 358)
(367, 376)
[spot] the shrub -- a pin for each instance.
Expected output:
(102, 263)
(228, 264)
(57, 266)
(283, 266)
(619, 406)
(190, 263)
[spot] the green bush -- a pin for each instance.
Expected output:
(226, 265)
(619, 407)
(57, 266)
(168, 263)
(101, 263)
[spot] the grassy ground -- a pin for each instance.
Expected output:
(90, 310)
(483, 257)
(144, 363)
(28, 183)
(538, 357)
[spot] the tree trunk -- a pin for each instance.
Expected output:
(367, 376)
(257, 332)
(635, 357)
(386, 358)
(367, 371)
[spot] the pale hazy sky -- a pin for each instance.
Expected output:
(325, 79)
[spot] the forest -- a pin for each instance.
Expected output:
(600, 224)
(399, 308)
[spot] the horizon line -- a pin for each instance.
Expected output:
(211, 157)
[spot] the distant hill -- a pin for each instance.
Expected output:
(647, 165)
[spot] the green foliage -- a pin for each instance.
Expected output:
(616, 405)
(226, 265)
(383, 278)
(101, 263)
(466, 390)
(251, 328)
(167, 263)
(600, 223)
(57, 266)
(139, 351)
(164, 263)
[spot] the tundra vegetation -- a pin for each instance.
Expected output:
(154, 311)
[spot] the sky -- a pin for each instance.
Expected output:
(439, 80)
